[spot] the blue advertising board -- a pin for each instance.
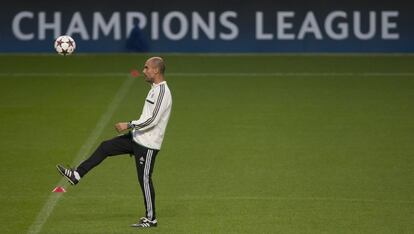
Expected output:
(209, 26)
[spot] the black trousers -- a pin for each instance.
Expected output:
(144, 161)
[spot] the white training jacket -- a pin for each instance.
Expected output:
(149, 129)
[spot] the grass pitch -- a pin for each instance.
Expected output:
(255, 144)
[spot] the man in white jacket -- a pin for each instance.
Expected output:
(144, 139)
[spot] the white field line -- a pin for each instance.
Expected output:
(214, 74)
(262, 198)
(323, 199)
(47, 74)
(227, 54)
(53, 199)
(298, 74)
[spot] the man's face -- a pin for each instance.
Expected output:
(149, 71)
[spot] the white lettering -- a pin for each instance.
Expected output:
(358, 28)
(16, 26)
(130, 24)
(77, 25)
(54, 25)
(343, 32)
(310, 25)
(260, 35)
(208, 29)
(166, 25)
(154, 26)
(177, 25)
(100, 24)
(234, 30)
(387, 25)
(282, 25)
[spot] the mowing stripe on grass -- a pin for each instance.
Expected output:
(53, 199)
(276, 74)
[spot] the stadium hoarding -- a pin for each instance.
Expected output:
(212, 26)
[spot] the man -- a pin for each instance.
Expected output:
(143, 141)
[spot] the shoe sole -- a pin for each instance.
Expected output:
(136, 226)
(63, 174)
(139, 225)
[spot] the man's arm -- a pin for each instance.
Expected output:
(157, 109)
(147, 121)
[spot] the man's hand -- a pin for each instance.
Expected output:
(121, 127)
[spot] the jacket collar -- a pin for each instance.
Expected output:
(155, 85)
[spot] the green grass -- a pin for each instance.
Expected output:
(290, 152)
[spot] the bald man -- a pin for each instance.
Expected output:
(143, 139)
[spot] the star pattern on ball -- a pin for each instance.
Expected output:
(65, 45)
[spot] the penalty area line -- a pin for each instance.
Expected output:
(53, 199)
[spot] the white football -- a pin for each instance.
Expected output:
(65, 45)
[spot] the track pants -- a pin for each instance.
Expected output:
(144, 161)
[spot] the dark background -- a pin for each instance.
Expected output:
(245, 42)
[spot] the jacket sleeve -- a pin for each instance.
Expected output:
(150, 120)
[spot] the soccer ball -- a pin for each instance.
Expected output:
(65, 45)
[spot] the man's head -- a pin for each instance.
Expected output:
(154, 69)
